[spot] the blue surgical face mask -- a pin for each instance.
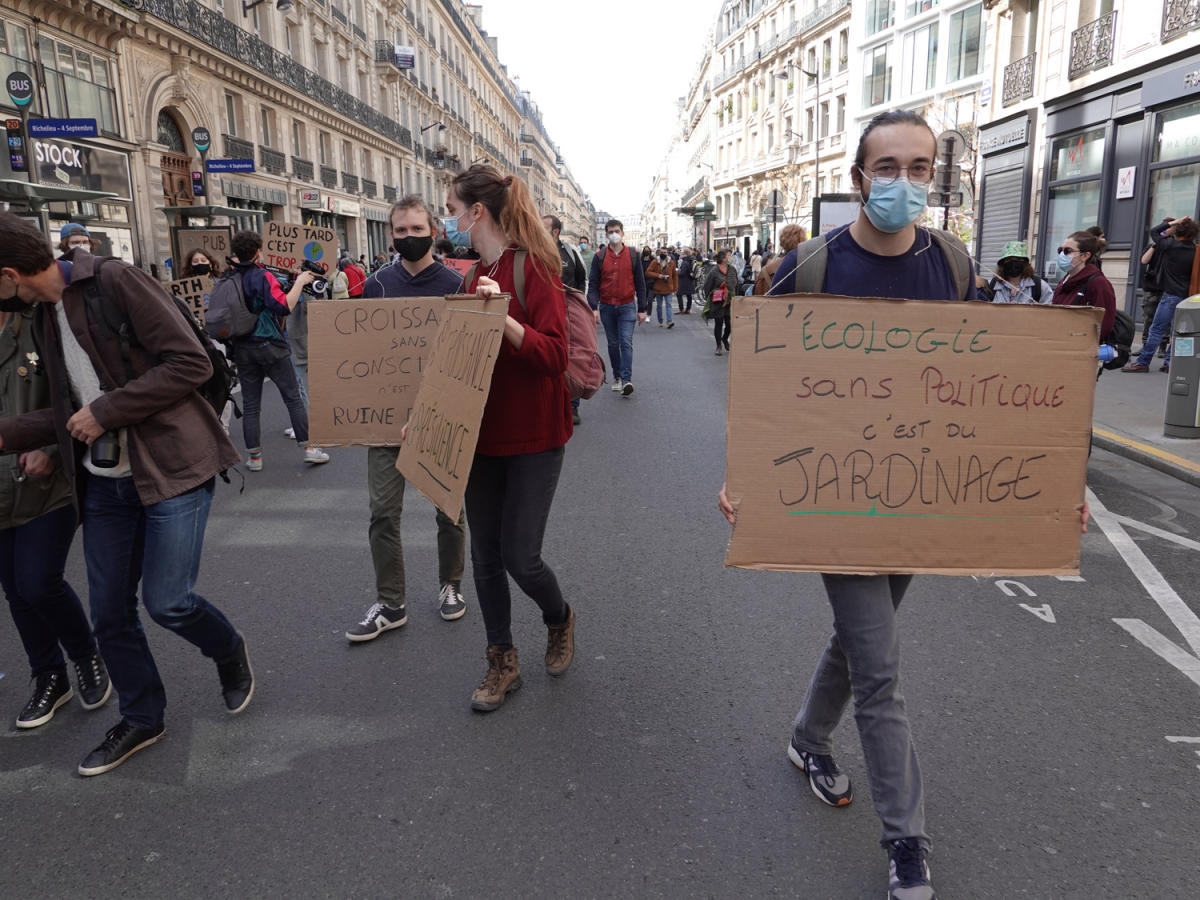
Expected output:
(893, 207)
(453, 235)
(1064, 261)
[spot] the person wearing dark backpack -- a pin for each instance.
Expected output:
(1176, 253)
(687, 281)
(141, 449)
(574, 276)
(265, 352)
(1015, 280)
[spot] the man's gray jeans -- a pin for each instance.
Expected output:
(863, 661)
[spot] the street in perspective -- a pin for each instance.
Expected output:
(784, 481)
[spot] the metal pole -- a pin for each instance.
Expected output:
(947, 162)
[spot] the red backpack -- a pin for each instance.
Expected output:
(585, 367)
(355, 279)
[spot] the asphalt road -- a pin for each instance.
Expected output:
(657, 767)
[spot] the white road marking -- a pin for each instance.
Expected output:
(1157, 532)
(1077, 578)
(1171, 652)
(1004, 586)
(1042, 612)
(1183, 740)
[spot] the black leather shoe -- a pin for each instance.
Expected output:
(94, 685)
(121, 742)
(49, 693)
(237, 680)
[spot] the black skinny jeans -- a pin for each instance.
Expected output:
(257, 361)
(685, 296)
(721, 329)
(508, 501)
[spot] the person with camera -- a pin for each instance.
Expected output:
(141, 450)
(414, 274)
(265, 352)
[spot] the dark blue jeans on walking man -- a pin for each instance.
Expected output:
(45, 608)
(1164, 320)
(619, 322)
(159, 545)
(257, 361)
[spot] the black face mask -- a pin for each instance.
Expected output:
(1011, 268)
(413, 248)
(13, 304)
(201, 269)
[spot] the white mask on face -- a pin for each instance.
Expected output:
(614, 237)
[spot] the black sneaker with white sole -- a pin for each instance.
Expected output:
(908, 876)
(827, 780)
(237, 680)
(49, 693)
(94, 685)
(121, 742)
(379, 618)
(626, 388)
(451, 603)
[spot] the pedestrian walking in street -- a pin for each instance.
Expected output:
(526, 423)
(587, 253)
(663, 278)
(141, 450)
(720, 288)
(1176, 254)
(791, 237)
(574, 277)
(37, 526)
(1015, 280)
(265, 352)
(617, 292)
(688, 269)
(414, 274)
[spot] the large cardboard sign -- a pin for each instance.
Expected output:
(194, 292)
(366, 358)
(439, 448)
(213, 241)
(897, 436)
(288, 244)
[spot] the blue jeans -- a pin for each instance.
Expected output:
(45, 609)
(863, 661)
(159, 545)
(257, 361)
(667, 300)
(619, 322)
(1164, 320)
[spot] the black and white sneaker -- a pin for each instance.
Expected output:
(94, 685)
(379, 618)
(120, 743)
(237, 680)
(49, 693)
(827, 780)
(908, 878)
(451, 603)
(626, 388)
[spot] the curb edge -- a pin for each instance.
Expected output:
(1146, 459)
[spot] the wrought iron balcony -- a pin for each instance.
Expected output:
(526, 160)
(358, 32)
(350, 182)
(1018, 80)
(329, 176)
(408, 14)
(821, 13)
(272, 160)
(369, 187)
(389, 194)
(338, 14)
(528, 139)
(1092, 46)
(236, 148)
(302, 168)
(385, 52)
(1179, 17)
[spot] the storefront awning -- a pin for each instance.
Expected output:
(37, 195)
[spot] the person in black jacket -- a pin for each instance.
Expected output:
(574, 276)
(1176, 252)
(687, 281)
(1152, 289)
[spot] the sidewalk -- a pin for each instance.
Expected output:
(1128, 420)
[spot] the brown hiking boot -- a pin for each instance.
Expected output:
(560, 645)
(502, 678)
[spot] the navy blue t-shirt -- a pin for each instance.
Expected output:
(921, 273)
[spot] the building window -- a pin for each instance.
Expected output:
(324, 153)
(770, 138)
(1023, 40)
(881, 14)
(231, 114)
(966, 43)
(920, 59)
(812, 62)
(825, 119)
(77, 84)
(877, 76)
(14, 42)
(1076, 163)
(348, 157)
(809, 127)
(841, 114)
(298, 147)
(916, 7)
(267, 117)
(827, 56)
(843, 49)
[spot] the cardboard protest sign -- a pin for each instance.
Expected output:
(288, 244)
(194, 292)
(366, 358)
(437, 453)
(214, 242)
(898, 436)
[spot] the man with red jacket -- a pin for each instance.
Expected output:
(617, 282)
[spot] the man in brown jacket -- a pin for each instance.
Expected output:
(141, 449)
(663, 278)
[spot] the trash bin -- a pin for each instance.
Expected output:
(1183, 387)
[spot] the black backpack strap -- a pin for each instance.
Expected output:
(1082, 292)
(1037, 289)
(112, 323)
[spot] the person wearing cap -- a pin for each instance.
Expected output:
(1015, 280)
(75, 235)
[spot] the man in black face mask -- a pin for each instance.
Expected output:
(415, 273)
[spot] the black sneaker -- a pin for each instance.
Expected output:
(120, 743)
(908, 878)
(379, 618)
(828, 782)
(237, 680)
(451, 603)
(576, 419)
(627, 389)
(94, 685)
(49, 693)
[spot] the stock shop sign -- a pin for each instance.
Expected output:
(69, 164)
(286, 245)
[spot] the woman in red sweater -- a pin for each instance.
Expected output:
(1084, 284)
(526, 424)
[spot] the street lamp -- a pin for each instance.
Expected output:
(440, 127)
(281, 5)
(815, 76)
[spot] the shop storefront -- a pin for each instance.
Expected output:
(1003, 211)
(379, 232)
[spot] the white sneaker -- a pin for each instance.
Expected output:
(254, 463)
(290, 432)
(616, 385)
(315, 455)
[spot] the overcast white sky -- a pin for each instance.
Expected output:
(606, 77)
